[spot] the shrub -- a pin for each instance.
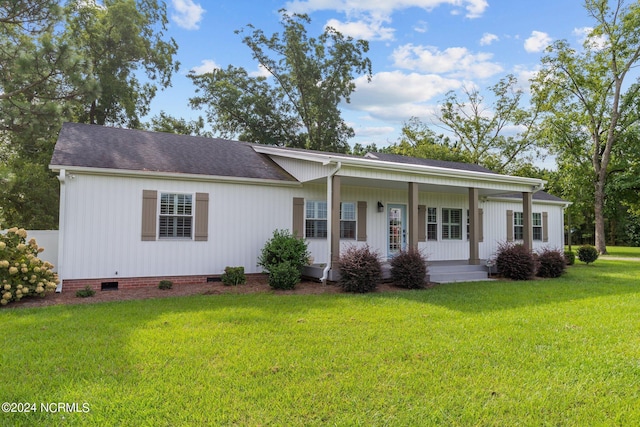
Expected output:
(85, 293)
(360, 269)
(284, 276)
(409, 269)
(587, 254)
(165, 284)
(570, 257)
(233, 276)
(283, 247)
(515, 262)
(551, 263)
(22, 273)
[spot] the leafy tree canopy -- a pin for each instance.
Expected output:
(298, 105)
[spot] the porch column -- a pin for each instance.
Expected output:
(527, 220)
(413, 215)
(474, 227)
(335, 219)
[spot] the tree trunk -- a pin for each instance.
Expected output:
(601, 244)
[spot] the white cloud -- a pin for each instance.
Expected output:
(398, 96)
(537, 42)
(366, 29)
(373, 130)
(261, 72)
(584, 33)
(455, 61)
(188, 14)
(488, 38)
(206, 66)
(474, 8)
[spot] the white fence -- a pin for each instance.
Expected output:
(47, 239)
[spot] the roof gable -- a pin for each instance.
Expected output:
(94, 146)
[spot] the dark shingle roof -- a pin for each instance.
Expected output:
(397, 158)
(94, 146)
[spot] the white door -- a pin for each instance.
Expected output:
(397, 231)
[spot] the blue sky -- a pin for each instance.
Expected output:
(419, 49)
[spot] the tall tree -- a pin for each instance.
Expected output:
(122, 40)
(481, 129)
(311, 76)
(419, 140)
(164, 122)
(587, 88)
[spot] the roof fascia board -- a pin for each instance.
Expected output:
(535, 201)
(401, 167)
(170, 175)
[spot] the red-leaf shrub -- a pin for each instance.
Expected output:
(551, 263)
(360, 269)
(409, 269)
(515, 262)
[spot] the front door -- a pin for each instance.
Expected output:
(397, 237)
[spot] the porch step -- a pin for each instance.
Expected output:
(451, 273)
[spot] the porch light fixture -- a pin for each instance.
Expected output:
(380, 207)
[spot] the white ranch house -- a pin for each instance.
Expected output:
(137, 207)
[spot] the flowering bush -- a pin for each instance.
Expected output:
(22, 273)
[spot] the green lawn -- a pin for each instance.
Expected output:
(546, 352)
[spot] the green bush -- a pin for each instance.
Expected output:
(283, 247)
(515, 262)
(233, 276)
(570, 257)
(360, 269)
(165, 284)
(85, 293)
(22, 273)
(587, 254)
(284, 276)
(551, 263)
(409, 269)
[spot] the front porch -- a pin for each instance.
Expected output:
(438, 272)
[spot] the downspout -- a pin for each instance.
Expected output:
(325, 272)
(61, 222)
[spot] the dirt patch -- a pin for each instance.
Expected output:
(255, 284)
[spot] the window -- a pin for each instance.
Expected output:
(176, 215)
(518, 225)
(537, 226)
(451, 224)
(347, 220)
(432, 223)
(316, 219)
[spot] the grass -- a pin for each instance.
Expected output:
(546, 352)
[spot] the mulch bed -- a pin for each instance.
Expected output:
(255, 284)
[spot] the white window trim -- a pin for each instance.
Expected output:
(160, 215)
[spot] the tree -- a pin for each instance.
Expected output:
(120, 40)
(587, 89)
(311, 76)
(418, 140)
(481, 129)
(78, 62)
(164, 122)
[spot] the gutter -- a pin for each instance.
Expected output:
(61, 226)
(325, 272)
